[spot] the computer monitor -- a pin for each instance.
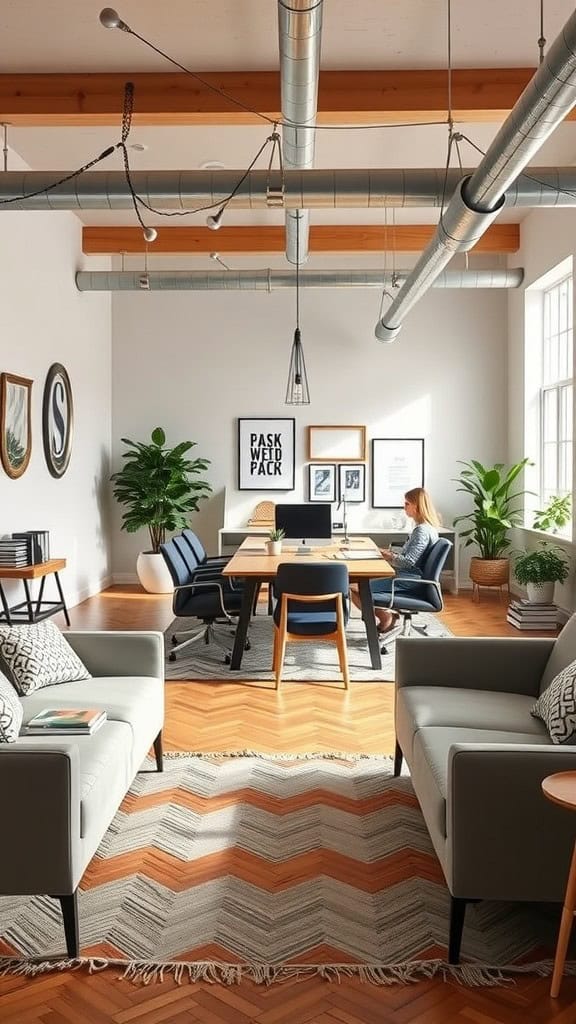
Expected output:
(310, 525)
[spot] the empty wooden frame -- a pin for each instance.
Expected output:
(330, 443)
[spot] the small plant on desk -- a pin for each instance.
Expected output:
(274, 542)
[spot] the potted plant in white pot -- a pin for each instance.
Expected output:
(540, 569)
(274, 542)
(158, 487)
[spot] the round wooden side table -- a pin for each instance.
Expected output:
(561, 789)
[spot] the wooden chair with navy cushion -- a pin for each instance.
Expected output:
(312, 605)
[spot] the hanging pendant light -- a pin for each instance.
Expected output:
(297, 392)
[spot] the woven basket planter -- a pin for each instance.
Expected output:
(490, 572)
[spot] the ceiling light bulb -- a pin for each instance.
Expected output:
(111, 19)
(213, 221)
(150, 234)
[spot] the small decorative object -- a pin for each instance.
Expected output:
(57, 420)
(556, 515)
(397, 466)
(322, 482)
(266, 454)
(540, 569)
(16, 436)
(336, 444)
(263, 514)
(352, 482)
(274, 542)
(159, 488)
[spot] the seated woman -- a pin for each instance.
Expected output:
(418, 506)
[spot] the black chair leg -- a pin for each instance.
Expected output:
(69, 905)
(457, 915)
(398, 757)
(158, 752)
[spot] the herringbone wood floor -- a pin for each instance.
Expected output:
(224, 716)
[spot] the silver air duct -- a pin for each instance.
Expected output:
(311, 189)
(267, 280)
(545, 102)
(299, 28)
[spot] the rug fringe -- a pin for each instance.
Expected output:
(333, 755)
(471, 975)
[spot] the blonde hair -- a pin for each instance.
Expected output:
(425, 511)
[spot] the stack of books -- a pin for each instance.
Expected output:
(38, 544)
(13, 552)
(533, 615)
(66, 722)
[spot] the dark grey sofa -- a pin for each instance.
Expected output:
(477, 759)
(59, 794)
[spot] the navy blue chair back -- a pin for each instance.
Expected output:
(195, 544)
(186, 553)
(179, 570)
(311, 579)
(424, 597)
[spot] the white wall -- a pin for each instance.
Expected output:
(44, 319)
(194, 362)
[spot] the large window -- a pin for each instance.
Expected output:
(556, 400)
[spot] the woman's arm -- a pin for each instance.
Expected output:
(413, 549)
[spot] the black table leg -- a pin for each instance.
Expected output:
(31, 616)
(370, 623)
(40, 595)
(250, 586)
(60, 591)
(5, 605)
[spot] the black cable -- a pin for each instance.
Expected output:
(62, 181)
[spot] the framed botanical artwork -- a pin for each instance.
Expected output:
(321, 482)
(57, 420)
(266, 454)
(15, 418)
(397, 466)
(352, 482)
(336, 444)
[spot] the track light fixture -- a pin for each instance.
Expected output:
(213, 221)
(111, 19)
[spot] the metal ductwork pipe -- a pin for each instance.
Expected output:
(299, 29)
(268, 280)
(545, 102)
(309, 189)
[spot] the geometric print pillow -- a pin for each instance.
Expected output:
(557, 706)
(11, 712)
(33, 656)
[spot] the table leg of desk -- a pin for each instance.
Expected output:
(5, 605)
(60, 591)
(250, 586)
(370, 623)
(565, 928)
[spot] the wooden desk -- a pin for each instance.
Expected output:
(33, 609)
(254, 566)
(561, 789)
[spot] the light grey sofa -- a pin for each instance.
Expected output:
(477, 759)
(59, 794)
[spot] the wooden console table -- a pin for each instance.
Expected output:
(33, 609)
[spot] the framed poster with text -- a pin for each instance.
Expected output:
(266, 454)
(397, 466)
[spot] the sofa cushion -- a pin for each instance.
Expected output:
(11, 711)
(556, 706)
(563, 652)
(33, 656)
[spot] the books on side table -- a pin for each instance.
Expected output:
(65, 722)
(532, 615)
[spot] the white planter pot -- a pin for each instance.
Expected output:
(274, 547)
(153, 573)
(541, 592)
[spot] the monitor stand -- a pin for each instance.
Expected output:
(303, 548)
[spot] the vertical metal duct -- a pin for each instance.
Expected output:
(299, 27)
(545, 102)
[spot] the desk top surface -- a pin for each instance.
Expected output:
(251, 559)
(31, 572)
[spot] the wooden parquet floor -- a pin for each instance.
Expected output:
(222, 716)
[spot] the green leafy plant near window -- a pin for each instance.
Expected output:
(276, 534)
(545, 564)
(556, 514)
(497, 506)
(158, 486)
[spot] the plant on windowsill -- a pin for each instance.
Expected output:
(555, 516)
(538, 570)
(274, 542)
(496, 510)
(158, 486)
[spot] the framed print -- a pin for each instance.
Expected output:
(352, 482)
(266, 454)
(397, 466)
(57, 420)
(336, 444)
(321, 482)
(16, 436)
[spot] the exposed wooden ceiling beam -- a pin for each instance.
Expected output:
(352, 97)
(327, 238)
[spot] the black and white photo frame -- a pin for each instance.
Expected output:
(322, 481)
(266, 454)
(352, 482)
(57, 420)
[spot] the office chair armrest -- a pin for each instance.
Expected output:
(409, 579)
(212, 572)
(211, 584)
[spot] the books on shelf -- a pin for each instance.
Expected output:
(13, 553)
(37, 545)
(66, 722)
(539, 615)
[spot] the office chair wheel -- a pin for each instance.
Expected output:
(174, 639)
(227, 659)
(247, 645)
(172, 656)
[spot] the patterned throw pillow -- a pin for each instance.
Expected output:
(557, 706)
(11, 712)
(38, 655)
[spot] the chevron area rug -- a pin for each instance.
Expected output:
(271, 867)
(303, 662)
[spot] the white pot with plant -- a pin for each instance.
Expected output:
(538, 570)
(157, 486)
(274, 542)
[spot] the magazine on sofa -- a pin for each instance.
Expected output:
(66, 721)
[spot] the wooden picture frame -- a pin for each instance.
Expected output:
(266, 447)
(352, 481)
(57, 420)
(15, 423)
(397, 466)
(331, 443)
(321, 481)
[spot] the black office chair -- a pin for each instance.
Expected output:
(199, 550)
(200, 593)
(412, 594)
(313, 605)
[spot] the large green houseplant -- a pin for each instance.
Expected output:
(159, 487)
(497, 507)
(538, 570)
